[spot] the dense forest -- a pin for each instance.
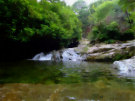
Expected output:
(29, 27)
(107, 20)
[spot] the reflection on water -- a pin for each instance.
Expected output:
(50, 72)
(68, 81)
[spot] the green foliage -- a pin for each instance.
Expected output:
(109, 33)
(127, 5)
(81, 10)
(26, 20)
(110, 22)
(123, 56)
(103, 10)
(100, 10)
(104, 32)
(83, 16)
(128, 35)
(78, 5)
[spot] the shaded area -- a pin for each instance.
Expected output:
(29, 27)
(50, 72)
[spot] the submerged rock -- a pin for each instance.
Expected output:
(126, 67)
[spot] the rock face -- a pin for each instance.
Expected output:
(126, 67)
(109, 52)
(87, 52)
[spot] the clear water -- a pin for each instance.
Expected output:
(63, 81)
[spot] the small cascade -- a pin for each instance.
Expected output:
(46, 57)
(62, 55)
(57, 55)
(41, 56)
(38, 56)
(70, 54)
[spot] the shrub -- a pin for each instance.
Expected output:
(104, 32)
(110, 33)
(127, 35)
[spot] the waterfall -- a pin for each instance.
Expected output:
(41, 56)
(38, 56)
(70, 54)
(62, 55)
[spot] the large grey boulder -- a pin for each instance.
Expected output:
(126, 67)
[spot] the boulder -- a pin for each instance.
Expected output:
(126, 67)
(98, 52)
(110, 52)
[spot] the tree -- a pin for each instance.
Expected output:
(128, 7)
(103, 14)
(80, 4)
(102, 11)
(38, 24)
(81, 9)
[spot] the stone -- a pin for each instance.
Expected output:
(126, 67)
(108, 52)
(98, 52)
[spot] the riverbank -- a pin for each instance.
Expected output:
(121, 54)
(106, 52)
(87, 52)
(99, 52)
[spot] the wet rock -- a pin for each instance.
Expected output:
(111, 52)
(126, 67)
(97, 52)
(62, 55)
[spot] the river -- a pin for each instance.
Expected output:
(63, 81)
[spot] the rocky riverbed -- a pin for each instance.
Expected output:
(107, 52)
(99, 52)
(112, 52)
(88, 52)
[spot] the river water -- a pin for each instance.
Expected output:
(63, 81)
